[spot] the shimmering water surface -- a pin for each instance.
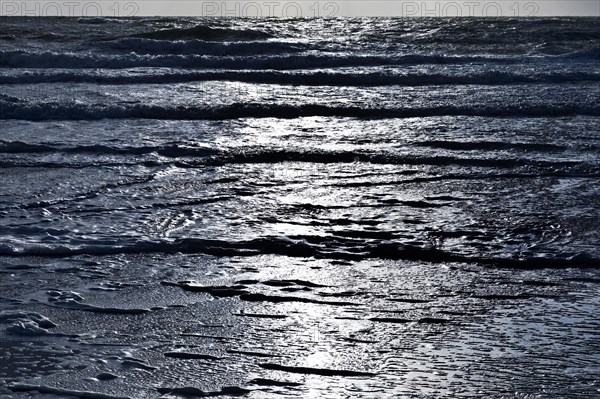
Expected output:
(304, 208)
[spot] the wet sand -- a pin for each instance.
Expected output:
(266, 326)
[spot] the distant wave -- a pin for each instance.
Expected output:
(307, 78)
(193, 53)
(49, 59)
(76, 111)
(195, 46)
(205, 33)
(93, 21)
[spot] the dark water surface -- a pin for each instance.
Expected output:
(304, 208)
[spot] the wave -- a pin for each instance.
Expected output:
(77, 111)
(491, 146)
(587, 54)
(4, 98)
(195, 46)
(169, 150)
(276, 156)
(193, 157)
(49, 59)
(93, 21)
(205, 33)
(303, 78)
(18, 147)
(297, 246)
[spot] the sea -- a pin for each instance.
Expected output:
(299, 208)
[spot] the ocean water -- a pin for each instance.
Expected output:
(315, 208)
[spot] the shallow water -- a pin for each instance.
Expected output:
(299, 208)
